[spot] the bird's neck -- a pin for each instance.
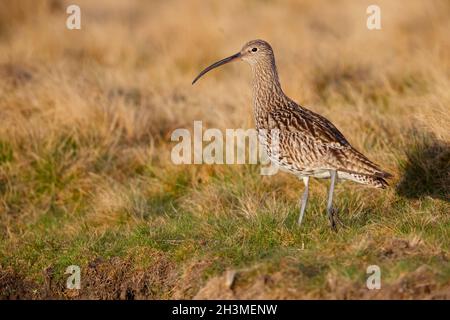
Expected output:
(267, 92)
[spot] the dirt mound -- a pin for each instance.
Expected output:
(14, 286)
(420, 284)
(102, 279)
(116, 278)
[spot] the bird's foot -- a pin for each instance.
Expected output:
(332, 221)
(335, 220)
(338, 219)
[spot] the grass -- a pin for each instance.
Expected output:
(86, 176)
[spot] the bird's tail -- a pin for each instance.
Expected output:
(370, 180)
(360, 169)
(355, 162)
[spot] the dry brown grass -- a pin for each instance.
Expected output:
(86, 118)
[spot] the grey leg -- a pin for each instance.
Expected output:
(330, 209)
(303, 200)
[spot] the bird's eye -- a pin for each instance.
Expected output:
(255, 49)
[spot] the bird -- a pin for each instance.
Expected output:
(306, 144)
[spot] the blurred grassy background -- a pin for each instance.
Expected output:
(85, 171)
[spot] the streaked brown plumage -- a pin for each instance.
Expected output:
(307, 144)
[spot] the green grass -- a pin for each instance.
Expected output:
(230, 237)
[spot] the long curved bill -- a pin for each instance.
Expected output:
(217, 64)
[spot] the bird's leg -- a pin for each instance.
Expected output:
(330, 209)
(303, 200)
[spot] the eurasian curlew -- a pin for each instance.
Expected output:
(307, 144)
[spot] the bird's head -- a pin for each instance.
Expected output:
(254, 52)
